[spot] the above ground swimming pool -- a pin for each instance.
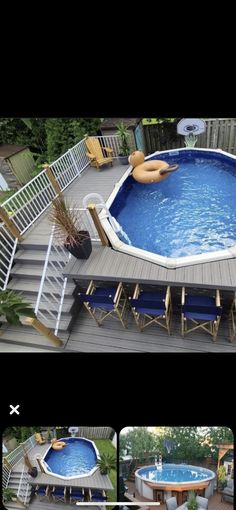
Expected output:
(78, 458)
(175, 473)
(188, 218)
(173, 477)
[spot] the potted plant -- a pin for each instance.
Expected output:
(124, 146)
(12, 306)
(8, 495)
(192, 503)
(106, 462)
(68, 230)
(221, 475)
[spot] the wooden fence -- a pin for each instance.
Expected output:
(219, 134)
(95, 432)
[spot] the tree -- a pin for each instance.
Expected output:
(62, 134)
(139, 441)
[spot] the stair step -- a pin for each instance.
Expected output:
(45, 305)
(32, 271)
(47, 320)
(13, 504)
(10, 347)
(19, 284)
(35, 256)
(28, 336)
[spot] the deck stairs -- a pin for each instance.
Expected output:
(25, 492)
(25, 278)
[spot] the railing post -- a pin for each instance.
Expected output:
(92, 209)
(43, 330)
(73, 160)
(10, 225)
(53, 181)
(7, 463)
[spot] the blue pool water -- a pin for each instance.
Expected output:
(175, 473)
(193, 211)
(77, 458)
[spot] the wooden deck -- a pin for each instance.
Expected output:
(105, 264)
(214, 502)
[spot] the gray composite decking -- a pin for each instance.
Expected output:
(106, 264)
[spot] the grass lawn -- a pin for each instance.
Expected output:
(106, 446)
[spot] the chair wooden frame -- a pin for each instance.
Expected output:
(96, 152)
(43, 497)
(102, 491)
(144, 320)
(73, 497)
(232, 318)
(210, 326)
(119, 302)
(59, 497)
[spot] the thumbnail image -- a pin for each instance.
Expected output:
(179, 468)
(43, 466)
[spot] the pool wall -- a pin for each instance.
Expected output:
(146, 487)
(168, 262)
(48, 470)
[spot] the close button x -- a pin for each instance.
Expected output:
(14, 409)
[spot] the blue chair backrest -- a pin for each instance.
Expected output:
(209, 310)
(90, 298)
(145, 303)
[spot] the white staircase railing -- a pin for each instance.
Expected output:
(53, 284)
(23, 488)
(8, 244)
(6, 473)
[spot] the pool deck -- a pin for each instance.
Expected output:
(94, 481)
(107, 265)
(214, 502)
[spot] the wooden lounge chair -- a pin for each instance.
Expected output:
(98, 155)
(39, 438)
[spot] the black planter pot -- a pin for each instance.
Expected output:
(83, 249)
(123, 160)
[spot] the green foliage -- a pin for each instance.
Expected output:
(12, 306)
(192, 503)
(47, 138)
(123, 133)
(221, 473)
(8, 494)
(62, 134)
(138, 441)
(105, 446)
(4, 195)
(106, 463)
(29, 132)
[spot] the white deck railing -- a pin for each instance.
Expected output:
(16, 455)
(31, 201)
(53, 284)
